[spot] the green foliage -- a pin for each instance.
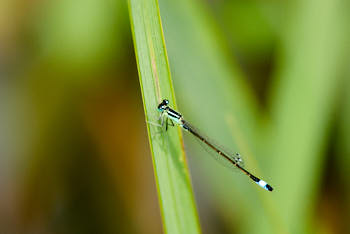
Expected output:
(287, 144)
(174, 188)
(283, 145)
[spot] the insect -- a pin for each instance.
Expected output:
(170, 116)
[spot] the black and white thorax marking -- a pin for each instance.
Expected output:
(173, 115)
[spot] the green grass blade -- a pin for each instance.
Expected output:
(172, 177)
(303, 104)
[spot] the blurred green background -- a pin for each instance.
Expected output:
(269, 79)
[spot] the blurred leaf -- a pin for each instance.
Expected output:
(248, 26)
(302, 103)
(343, 159)
(174, 187)
(82, 33)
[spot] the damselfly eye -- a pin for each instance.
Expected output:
(163, 105)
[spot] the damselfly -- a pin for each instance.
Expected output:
(170, 116)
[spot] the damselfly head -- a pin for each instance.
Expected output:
(163, 105)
